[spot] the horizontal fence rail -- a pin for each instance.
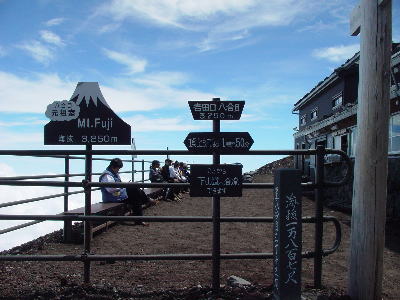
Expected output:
(305, 254)
(58, 175)
(41, 198)
(342, 154)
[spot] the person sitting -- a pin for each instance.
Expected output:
(156, 176)
(132, 196)
(155, 172)
(175, 173)
(185, 174)
(169, 176)
(183, 170)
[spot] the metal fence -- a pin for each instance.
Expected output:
(66, 175)
(86, 257)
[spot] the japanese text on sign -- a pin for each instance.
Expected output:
(291, 247)
(216, 110)
(276, 236)
(216, 180)
(223, 142)
(234, 143)
(85, 139)
(62, 110)
(287, 234)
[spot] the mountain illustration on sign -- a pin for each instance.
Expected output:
(96, 123)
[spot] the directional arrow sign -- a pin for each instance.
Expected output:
(216, 180)
(220, 142)
(212, 110)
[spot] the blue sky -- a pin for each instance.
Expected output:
(151, 56)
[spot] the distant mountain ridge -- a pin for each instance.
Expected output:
(286, 162)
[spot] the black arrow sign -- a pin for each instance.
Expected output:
(220, 142)
(216, 110)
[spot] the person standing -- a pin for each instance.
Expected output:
(132, 196)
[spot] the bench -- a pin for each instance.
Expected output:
(103, 209)
(154, 193)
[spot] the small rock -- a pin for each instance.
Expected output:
(237, 281)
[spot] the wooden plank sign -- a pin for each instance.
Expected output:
(287, 234)
(220, 142)
(216, 180)
(216, 110)
(85, 119)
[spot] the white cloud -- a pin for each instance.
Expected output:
(132, 63)
(223, 21)
(152, 91)
(317, 27)
(109, 27)
(20, 94)
(51, 38)
(162, 79)
(173, 13)
(141, 123)
(38, 51)
(207, 14)
(337, 53)
(20, 140)
(51, 207)
(28, 122)
(6, 170)
(54, 22)
(215, 38)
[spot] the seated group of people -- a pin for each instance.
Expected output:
(173, 172)
(136, 198)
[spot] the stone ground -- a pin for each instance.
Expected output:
(187, 279)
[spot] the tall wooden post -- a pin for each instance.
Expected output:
(216, 217)
(370, 171)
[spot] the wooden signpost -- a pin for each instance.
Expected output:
(85, 119)
(217, 180)
(373, 18)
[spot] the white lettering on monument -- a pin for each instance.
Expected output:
(291, 247)
(106, 124)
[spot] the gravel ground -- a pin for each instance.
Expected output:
(185, 279)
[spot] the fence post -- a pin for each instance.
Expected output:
(67, 224)
(133, 169)
(319, 212)
(167, 153)
(142, 170)
(88, 224)
(287, 234)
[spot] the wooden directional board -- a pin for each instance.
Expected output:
(216, 180)
(219, 142)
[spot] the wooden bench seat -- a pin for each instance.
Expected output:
(103, 209)
(96, 208)
(154, 193)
